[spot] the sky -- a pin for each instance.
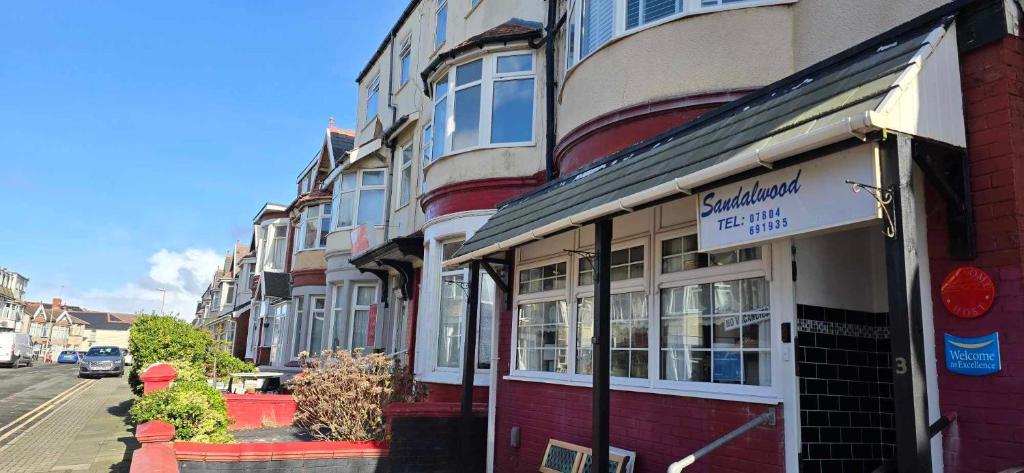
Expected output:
(139, 139)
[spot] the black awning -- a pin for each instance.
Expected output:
(277, 285)
(407, 248)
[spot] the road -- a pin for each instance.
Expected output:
(25, 388)
(52, 421)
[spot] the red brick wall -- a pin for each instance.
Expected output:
(660, 429)
(989, 435)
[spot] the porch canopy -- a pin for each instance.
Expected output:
(891, 82)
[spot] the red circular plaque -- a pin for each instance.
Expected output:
(968, 292)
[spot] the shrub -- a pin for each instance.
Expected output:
(342, 395)
(162, 338)
(195, 409)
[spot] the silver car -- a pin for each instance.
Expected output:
(102, 361)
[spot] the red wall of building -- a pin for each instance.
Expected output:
(989, 435)
(619, 129)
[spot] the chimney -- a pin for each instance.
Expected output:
(56, 303)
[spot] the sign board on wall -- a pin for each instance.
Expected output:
(968, 292)
(803, 198)
(360, 238)
(977, 356)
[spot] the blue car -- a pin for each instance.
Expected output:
(67, 357)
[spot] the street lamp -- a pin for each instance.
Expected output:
(163, 298)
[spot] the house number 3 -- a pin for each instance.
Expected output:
(901, 365)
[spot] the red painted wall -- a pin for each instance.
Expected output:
(453, 393)
(989, 435)
(619, 129)
(252, 411)
(475, 195)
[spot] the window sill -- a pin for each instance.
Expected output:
(480, 378)
(322, 248)
(525, 144)
(769, 397)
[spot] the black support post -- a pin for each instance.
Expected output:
(601, 343)
(913, 449)
(468, 456)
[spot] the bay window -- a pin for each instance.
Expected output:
(593, 23)
(485, 102)
(452, 313)
(679, 319)
(359, 198)
(314, 226)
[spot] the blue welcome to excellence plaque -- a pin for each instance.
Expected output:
(977, 356)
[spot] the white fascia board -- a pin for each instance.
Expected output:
(927, 100)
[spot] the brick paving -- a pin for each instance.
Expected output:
(88, 434)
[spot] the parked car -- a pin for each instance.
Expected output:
(128, 359)
(16, 349)
(102, 361)
(68, 356)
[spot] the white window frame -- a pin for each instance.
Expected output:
(337, 311)
(402, 183)
(651, 284)
(405, 54)
(358, 190)
(626, 286)
(574, 57)
(489, 76)
(372, 94)
(299, 310)
(353, 307)
(312, 315)
(440, 29)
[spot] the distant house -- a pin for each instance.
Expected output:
(105, 328)
(53, 328)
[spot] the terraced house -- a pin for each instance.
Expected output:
(644, 227)
(12, 294)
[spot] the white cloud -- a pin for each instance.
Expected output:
(184, 275)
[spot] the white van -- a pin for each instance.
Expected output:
(15, 349)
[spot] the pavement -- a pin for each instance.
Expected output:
(84, 428)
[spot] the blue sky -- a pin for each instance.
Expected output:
(138, 139)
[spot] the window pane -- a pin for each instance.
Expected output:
(542, 339)
(345, 203)
(629, 335)
(657, 9)
(371, 207)
(512, 113)
(316, 334)
(597, 24)
(311, 233)
(441, 26)
(449, 335)
(488, 291)
(632, 13)
(373, 178)
(428, 144)
(325, 229)
(469, 72)
(440, 125)
(348, 182)
(467, 118)
(403, 196)
(515, 63)
(360, 328)
(406, 65)
(365, 295)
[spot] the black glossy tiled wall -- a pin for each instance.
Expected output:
(846, 404)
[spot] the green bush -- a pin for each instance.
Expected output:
(195, 409)
(162, 338)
